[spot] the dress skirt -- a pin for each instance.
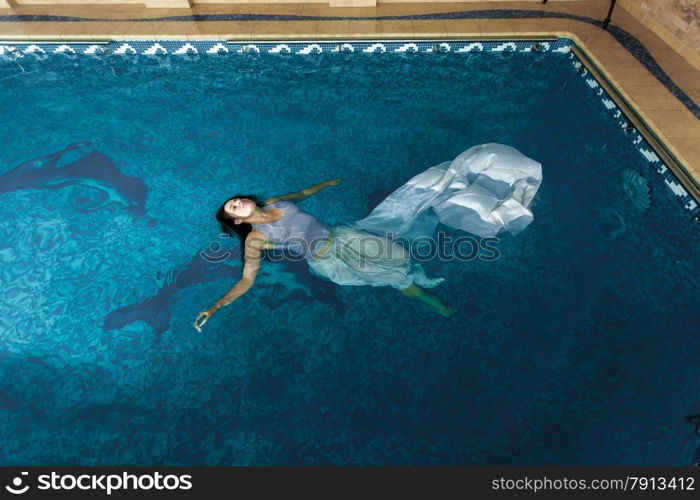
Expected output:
(485, 190)
(356, 257)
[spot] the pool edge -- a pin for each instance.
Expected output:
(688, 183)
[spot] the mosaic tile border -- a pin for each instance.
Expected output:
(41, 50)
(639, 142)
(626, 39)
(193, 49)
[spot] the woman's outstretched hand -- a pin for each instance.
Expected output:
(334, 182)
(204, 316)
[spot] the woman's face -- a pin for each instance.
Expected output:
(240, 208)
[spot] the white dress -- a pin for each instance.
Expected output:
(484, 191)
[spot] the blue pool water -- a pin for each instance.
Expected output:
(579, 345)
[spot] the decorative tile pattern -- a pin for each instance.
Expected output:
(626, 39)
(163, 47)
(637, 139)
(194, 48)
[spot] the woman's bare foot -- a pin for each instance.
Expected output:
(437, 305)
(446, 310)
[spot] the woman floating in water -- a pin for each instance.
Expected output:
(484, 191)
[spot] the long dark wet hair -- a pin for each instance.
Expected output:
(229, 227)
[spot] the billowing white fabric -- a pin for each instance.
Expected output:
(485, 190)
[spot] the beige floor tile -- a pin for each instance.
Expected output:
(142, 30)
(314, 9)
(679, 70)
(205, 30)
(174, 30)
(132, 13)
(462, 27)
(394, 9)
(499, 26)
(53, 30)
(12, 31)
(364, 29)
(685, 81)
(369, 12)
(593, 10)
(268, 30)
(600, 41)
(541, 26)
(272, 8)
(91, 31)
(333, 28)
(691, 54)
(689, 147)
(675, 123)
(683, 75)
(629, 23)
(140, 9)
(630, 76)
(215, 8)
(616, 56)
(431, 29)
(589, 35)
(396, 29)
(237, 29)
(300, 29)
(434, 7)
(653, 98)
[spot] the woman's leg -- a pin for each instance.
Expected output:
(416, 292)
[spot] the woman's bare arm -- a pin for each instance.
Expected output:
(304, 193)
(251, 267)
(253, 246)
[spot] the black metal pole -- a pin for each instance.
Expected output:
(606, 21)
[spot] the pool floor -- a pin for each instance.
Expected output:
(578, 346)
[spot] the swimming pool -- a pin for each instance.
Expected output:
(577, 346)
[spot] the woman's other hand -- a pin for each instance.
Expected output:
(334, 182)
(204, 316)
